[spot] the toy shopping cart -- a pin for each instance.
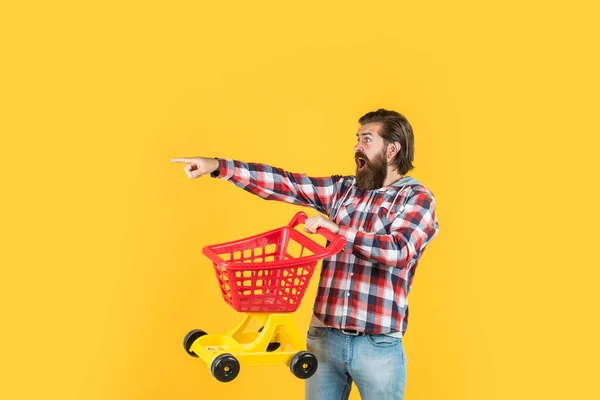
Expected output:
(265, 277)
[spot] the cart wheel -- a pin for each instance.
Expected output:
(189, 340)
(273, 345)
(303, 365)
(225, 367)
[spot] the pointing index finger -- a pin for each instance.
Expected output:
(181, 160)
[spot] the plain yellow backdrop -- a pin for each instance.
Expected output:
(102, 271)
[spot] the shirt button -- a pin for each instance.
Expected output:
(347, 294)
(351, 273)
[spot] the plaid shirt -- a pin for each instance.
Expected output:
(365, 286)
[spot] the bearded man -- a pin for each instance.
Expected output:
(360, 313)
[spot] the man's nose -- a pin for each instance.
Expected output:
(358, 148)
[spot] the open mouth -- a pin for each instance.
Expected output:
(361, 163)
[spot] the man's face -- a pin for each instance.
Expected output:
(370, 157)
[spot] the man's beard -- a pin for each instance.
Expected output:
(373, 174)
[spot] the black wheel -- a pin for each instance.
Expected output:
(190, 338)
(303, 365)
(273, 345)
(225, 367)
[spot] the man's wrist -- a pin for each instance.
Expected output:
(215, 162)
(336, 228)
(216, 171)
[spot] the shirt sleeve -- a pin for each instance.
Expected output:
(412, 229)
(271, 183)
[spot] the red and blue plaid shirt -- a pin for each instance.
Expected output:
(364, 287)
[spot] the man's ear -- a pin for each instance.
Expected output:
(393, 149)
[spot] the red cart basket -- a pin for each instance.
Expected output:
(269, 272)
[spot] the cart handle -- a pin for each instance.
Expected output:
(337, 242)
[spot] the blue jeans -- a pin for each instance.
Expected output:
(376, 363)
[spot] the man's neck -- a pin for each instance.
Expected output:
(392, 177)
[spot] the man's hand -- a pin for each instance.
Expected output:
(197, 166)
(311, 224)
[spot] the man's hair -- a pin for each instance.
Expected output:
(395, 129)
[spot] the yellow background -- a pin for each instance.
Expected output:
(102, 271)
